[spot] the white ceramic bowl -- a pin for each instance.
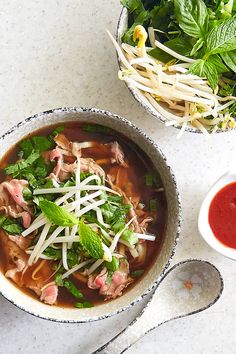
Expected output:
(121, 28)
(35, 307)
(203, 222)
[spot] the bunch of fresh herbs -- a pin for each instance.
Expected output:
(202, 30)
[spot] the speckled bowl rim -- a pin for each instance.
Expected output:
(136, 96)
(178, 201)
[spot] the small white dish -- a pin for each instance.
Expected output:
(203, 219)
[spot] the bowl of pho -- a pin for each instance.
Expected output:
(89, 214)
(178, 60)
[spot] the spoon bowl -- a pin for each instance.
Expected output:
(188, 287)
(203, 222)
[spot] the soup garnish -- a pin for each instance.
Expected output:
(82, 214)
(179, 56)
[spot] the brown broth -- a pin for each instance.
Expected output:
(139, 165)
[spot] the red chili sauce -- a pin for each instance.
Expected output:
(222, 215)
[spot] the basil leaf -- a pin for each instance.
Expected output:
(192, 16)
(133, 6)
(56, 214)
(162, 17)
(227, 90)
(222, 38)
(206, 69)
(128, 35)
(230, 59)
(90, 241)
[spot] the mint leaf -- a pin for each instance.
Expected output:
(230, 59)
(192, 16)
(218, 63)
(56, 214)
(222, 38)
(90, 241)
(198, 45)
(206, 69)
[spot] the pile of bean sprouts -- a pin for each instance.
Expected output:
(183, 99)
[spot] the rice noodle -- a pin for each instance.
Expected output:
(41, 264)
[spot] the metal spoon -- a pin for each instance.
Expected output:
(188, 287)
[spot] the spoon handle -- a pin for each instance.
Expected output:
(148, 319)
(129, 336)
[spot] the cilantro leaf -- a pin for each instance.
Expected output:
(192, 16)
(73, 289)
(137, 273)
(16, 168)
(58, 280)
(90, 241)
(56, 214)
(69, 285)
(53, 253)
(39, 143)
(85, 304)
(113, 265)
(58, 130)
(95, 128)
(10, 225)
(130, 237)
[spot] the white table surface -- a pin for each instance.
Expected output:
(56, 53)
